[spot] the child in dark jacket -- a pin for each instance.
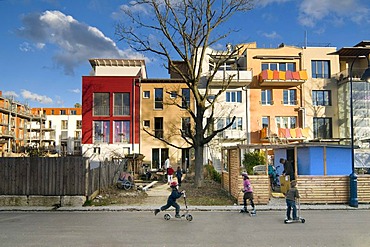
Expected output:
(179, 175)
(171, 201)
(291, 196)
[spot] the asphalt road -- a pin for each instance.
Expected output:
(322, 228)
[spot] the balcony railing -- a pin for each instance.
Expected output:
(282, 78)
(285, 133)
(343, 76)
(239, 78)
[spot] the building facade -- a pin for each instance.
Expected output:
(111, 108)
(61, 132)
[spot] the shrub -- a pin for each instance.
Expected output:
(252, 159)
(214, 175)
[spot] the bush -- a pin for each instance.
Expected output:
(214, 175)
(253, 159)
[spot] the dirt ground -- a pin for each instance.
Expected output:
(209, 194)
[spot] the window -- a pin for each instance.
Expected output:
(79, 124)
(322, 128)
(321, 97)
(121, 131)
(101, 131)
(290, 97)
(286, 122)
(185, 98)
(64, 135)
(234, 96)
(158, 100)
(73, 112)
(62, 112)
(237, 124)
(266, 97)
(320, 69)
(146, 94)
(278, 66)
(77, 147)
(265, 122)
(121, 104)
(64, 124)
(220, 123)
(158, 127)
(101, 104)
(146, 123)
(52, 112)
(186, 128)
(77, 134)
(173, 94)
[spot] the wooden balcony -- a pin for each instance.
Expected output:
(274, 78)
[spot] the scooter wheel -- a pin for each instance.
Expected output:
(286, 221)
(167, 216)
(303, 220)
(189, 217)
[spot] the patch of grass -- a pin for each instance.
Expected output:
(115, 196)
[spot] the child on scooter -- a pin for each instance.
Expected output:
(291, 196)
(171, 201)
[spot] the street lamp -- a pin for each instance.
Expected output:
(353, 200)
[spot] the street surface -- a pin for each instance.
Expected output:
(322, 228)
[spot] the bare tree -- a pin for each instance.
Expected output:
(182, 30)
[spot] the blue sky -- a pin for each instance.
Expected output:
(42, 62)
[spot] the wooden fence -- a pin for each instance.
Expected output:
(57, 176)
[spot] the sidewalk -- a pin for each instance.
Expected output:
(157, 196)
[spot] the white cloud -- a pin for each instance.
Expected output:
(263, 3)
(312, 11)
(76, 90)
(76, 42)
(27, 95)
(10, 94)
(25, 47)
(272, 35)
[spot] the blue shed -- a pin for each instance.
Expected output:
(317, 159)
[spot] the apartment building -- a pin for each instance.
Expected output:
(14, 119)
(161, 117)
(61, 131)
(111, 108)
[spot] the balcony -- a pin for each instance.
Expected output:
(232, 135)
(274, 78)
(285, 135)
(239, 78)
(343, 76)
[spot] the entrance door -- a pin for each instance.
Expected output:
(185, 158)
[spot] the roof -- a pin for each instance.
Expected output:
(352, 51)
(116, 62)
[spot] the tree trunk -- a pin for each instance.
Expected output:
(198, 166)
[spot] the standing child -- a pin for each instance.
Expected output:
(248, 193)
(291, 196)
(171, 201)
(170, 173)
(179, 175)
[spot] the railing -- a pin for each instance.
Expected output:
(237, 75)
(344, 75)
(121, 110)
(285, 133)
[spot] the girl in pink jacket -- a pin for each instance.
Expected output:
(248, 193)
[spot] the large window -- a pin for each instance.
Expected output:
(266, 97)
(101, 104)
(322, 128)
(121, 104)
(278, 66)
(265, 122)
(320, 69)
(121, 131)
(158, 98)
(321, 97)
(101, 131)
(185, 98)
(290, 97)
(158, 127)
(286, 122)
(234, 96)
(78, 124)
